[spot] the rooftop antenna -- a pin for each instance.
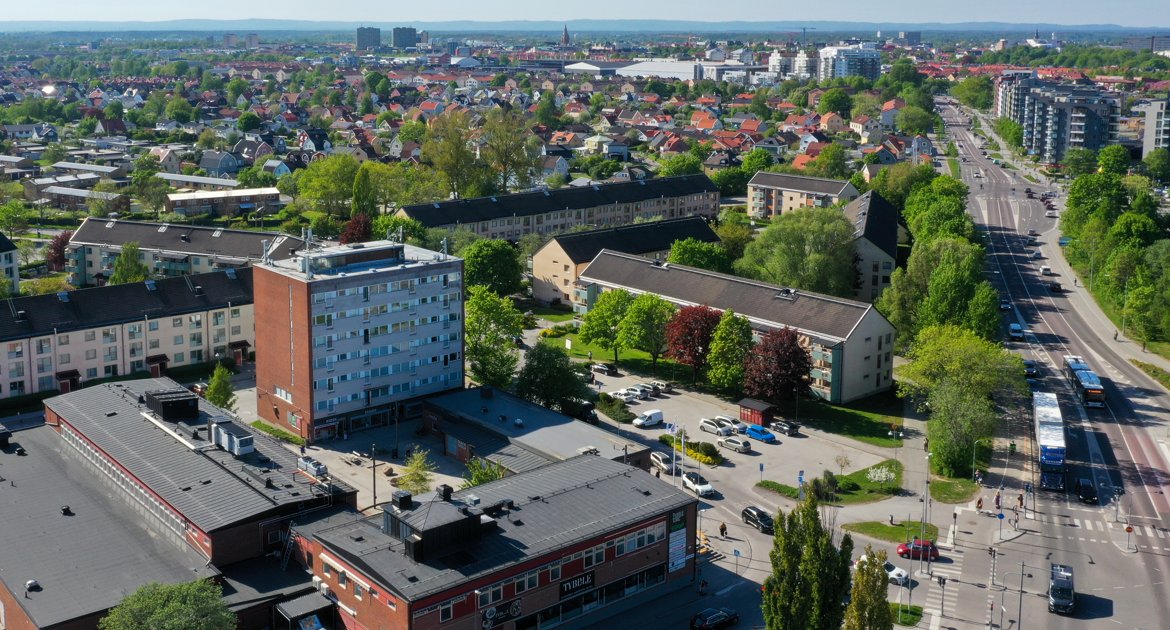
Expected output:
(444, 243)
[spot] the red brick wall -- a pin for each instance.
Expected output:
(16, 619)
(278, 346)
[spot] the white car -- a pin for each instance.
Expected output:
(896, 575)
(698, 484)
(624, 396)
(1051, 214)
(735, 425)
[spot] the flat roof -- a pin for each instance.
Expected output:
(211, 487)
(555, 507)
(356, 259)
(85, 563)
(547, 433)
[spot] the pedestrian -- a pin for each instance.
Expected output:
(302, 450)
(658, 473)
(590, 355)
(408, 452)
(1115, 335)
(979, 505)
(926, 444)
(703, 587)
(723, 530)
(1020, 499)
(997, 500)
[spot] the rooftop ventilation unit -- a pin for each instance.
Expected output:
(231, 438)
(218, 233)
(172, 405)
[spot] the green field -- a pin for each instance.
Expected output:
(896, 534)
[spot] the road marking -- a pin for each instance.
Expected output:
(1149, 530)
(725, 590)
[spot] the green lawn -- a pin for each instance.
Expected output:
(1154, 372)
(952, 490)
(554, 315)
(896, 534)
(634, 361)
(954, 164)
(1031, 179)
(866, 492)
(867, 420)
(906, 615)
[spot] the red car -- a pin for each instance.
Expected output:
(918, 549)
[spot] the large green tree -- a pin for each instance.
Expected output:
(490, 325)
(1080, 161)
(548, 378)
(868, 607)
(509, 149)
(695, 253)
(948, 352)
(492, 263)
(194, 605)
(364, 200)
(730, 344)
(895, 183)
(809, 580)
(600, 325)
(480, 471)
(128, 267)
(810, 248)
(1158, 164)
(447, 148)
(975, 91)
(912, 120)
(836, 100)
(1113, 159)
(680, 164)
(328, 183)
(644, 326)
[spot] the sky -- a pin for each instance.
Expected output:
(1143, 13)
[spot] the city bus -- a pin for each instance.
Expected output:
(1050, 439)
(1089, 389)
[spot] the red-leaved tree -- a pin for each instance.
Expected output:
(55, 252)
(358, 229)
(688, 336)
(775, 367)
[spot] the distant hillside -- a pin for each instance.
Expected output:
(614, 26)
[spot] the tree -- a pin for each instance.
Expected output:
(248, 121)
(418, 473)
(390, 226)
(548, 378)
(912, 120)
(219, 389)
(731, 181)
(255, 177)
(1158, 164)
(55, 252)
(600, 324)
(13, 217)
(731, 342)
(236, 87)
(546, 110)
(328, 183)
(695, 253)
(680, 164)
(777, 367)
(644, 326)
(26, 250)
(938, 210)
(194, 605)
(128, 267)
(1010, 131)
(810, 574)
(507, 148)
(811, 249)
(491, 323)
(895, 183)
(755, 161)
(447, 149)
(208, 139)
(481, 471)
(1080, 161)
(689, 334)
(1113, 159)
(56, 152)
(364, 200)
(99, 207)
(868, 608)
(835, 100)
(733, 238)
(975, 91)
(412, 131)
(492, 263)
(945, 352)
(831, 163)
(359, 229)
(403, 183)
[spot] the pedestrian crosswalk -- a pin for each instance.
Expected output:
(942, 597)
(1096, 530)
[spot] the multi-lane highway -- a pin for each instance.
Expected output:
(1120, 448)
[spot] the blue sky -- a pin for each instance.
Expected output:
(1147, 13)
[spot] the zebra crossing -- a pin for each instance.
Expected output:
(1100, 531)
(941, 600)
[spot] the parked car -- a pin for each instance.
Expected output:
(653, 389)
(1086, 491)
(758, 518)
(1051, 214)
(648, 418)
(710, 426)
(712, 618)
(737, 444)
(756, 432)
(1030, 368)
(698, 484)
(662, 461)
(785, 427)
(624, 396)
(895, 575)
(918, 548)
(607, 369)
(638, 392)
(736, 426)
(664, 387)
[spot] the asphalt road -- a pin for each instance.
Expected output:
(1121, 578)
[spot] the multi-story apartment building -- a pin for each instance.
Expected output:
(553, 211)
(876, 236)
(368, 37)
(67, 198)
(168, 250)
(352, 335)
(58, 342)
(404, 37)
(1058, 117)
(9, 265)
(860, 60)
(1156, 134)
(772, 194)
(225, 203)
(850, 342)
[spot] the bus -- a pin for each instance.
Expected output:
(1050, 439)
(1084, 381)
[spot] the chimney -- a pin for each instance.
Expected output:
(445, 491)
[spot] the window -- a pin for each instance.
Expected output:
(177, 322)
(90, 335)
(554, 572)
(44, 365)
(528, 581)
(179, 356)
(90, 372)
(111, 370)
(446, 611)
(235, 313)
(90, 354)
(63, 359)
(595, 556)
(217, 318)
(178, 340)
(16, 370)
(196, 339)
(153, 344)
(357, 590)
(62, 340)
(325, 569)
(15, 350)
(341, 581)
(490, 595)
(153, 325)
(196, 322)
(44, 346)
(235, 331)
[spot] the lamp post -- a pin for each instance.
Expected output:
(374, 472)
(1020, 609)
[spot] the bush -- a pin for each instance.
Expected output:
(615, 409)
(279, 434)
(707, 448)
(702, 452)
(850, 486)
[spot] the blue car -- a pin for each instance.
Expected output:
(756, 432)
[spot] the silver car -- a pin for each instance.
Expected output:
(737, 444)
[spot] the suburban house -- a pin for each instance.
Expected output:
(876, 233)
(66, 198)
(553, 211)
(556, 266)
(168, 159)
(851, 343)
(219, 163)
(890, 110)
(864, 126)
(771, 194)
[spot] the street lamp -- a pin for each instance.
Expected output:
(1020, 610)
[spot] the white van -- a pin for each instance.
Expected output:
(1046, 270)
(648, 418)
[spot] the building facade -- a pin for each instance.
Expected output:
(571, 543)
(9, 265)
(1156, 134)
(773, 194)
(851, 344)
(352, 335)
(838, 62)
(368, 37)
(59, 342)
(225, 203)
(876, 235)
(404, 37)
(553, 211)
(1058, 117)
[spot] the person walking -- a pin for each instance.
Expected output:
(926, 444)
(1020, 500)
(997, 500)
(979, 505)
(723, 530)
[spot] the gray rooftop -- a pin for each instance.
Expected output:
(86, 168)
(210, 487)
(636, 238)
(556, 506)
(178, 180)
(767, 305)
(802, 183)
(355, 259)
(875, 219)
(85, 563)
(550, 435)
(189, 239)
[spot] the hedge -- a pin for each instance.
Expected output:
(702, 452)
(279, 434)
(615, 409)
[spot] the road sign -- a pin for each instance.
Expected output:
(736, 552)
(1129, 529)
(1000, 516)
(761, 466)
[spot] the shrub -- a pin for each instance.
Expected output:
(615, 409)
(702, 452)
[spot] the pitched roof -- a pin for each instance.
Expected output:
(802, 183)
(876, 219)
(6, 245)
(766, 305)
(188, 239)
(446, 213)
